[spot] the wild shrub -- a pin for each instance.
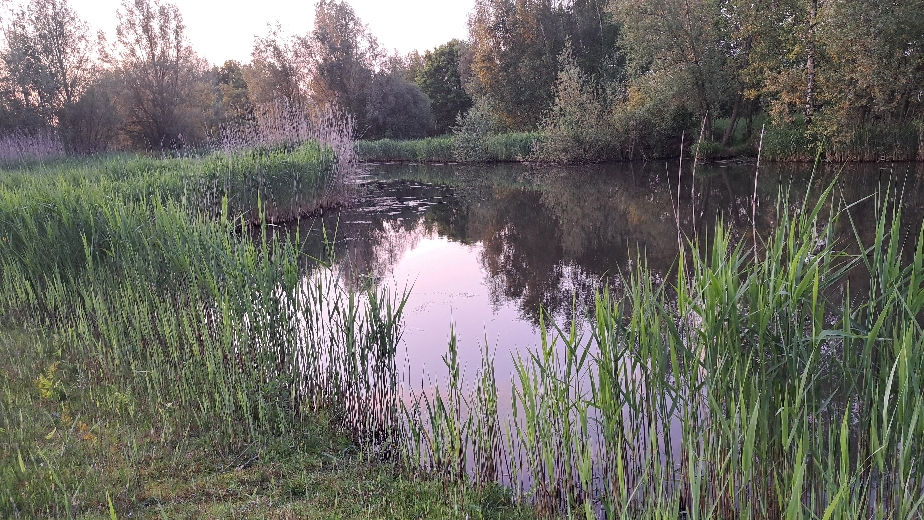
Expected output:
(397, 109)
(472, 132)
(577, 128)
(650, 118)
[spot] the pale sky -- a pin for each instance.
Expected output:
(220, 31)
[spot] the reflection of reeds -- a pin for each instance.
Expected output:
(759, 389)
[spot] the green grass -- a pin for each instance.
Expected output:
(431, 149)
(285, 181)
(508, 147)
(159, 359)
(152, 347)
(70, 444)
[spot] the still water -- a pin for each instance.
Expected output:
(484, 251)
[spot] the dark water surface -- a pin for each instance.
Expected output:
(483, 249)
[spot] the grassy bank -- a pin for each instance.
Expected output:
(283, 181)
(159, 358)
(509, 147)
(782, 143)
(72, 445)
(159, 355)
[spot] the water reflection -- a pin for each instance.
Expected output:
(487, 247)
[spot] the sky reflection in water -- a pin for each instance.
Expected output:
(484, 248)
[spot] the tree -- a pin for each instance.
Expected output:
(678, 41)
(277, 71)
(165, 96)
(48, 61)
(342, 56)
(515, 45)
(439, 78)
(396, 109)
(873, 64)
(578, 127)
(95, 115)
(234, 94)
(594, 37)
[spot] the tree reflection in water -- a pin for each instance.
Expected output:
(546, 236)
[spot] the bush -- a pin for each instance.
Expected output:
(650, 120)
(473, 131)
(397, 109)
(578, 127)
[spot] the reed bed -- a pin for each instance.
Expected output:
(779, 384)
(507, 147)
(431, 149)
(147, 273)
(20, 148)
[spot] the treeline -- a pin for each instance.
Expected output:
(625, 79)
(596, 79)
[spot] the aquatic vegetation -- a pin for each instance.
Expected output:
(777, 388)
(165, 295)
(431, 149)
(505, 147)
(782, 382)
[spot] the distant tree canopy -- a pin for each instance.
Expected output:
(47, 64)
(440, 79)
(165, 90)
(600, 79)
(516, 44)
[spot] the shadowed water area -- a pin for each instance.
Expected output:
(486, 249)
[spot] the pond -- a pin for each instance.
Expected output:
(485, 250)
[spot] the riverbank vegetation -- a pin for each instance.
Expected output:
(142, 333)
(607, 80)
(156, 350)
(777, 382)
(70, 449)
(471, 148)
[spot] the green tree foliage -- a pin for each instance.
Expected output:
(165, 100)
(234, 100)
(578, 128)
(276, 71)
(843, 75)
(677, 41)
(594, 37)
(473, 131)
(96, 115)
(48, 64)
(441, 81)
(872, 68)
(342, 56)
(396, 108)
(515, 45)
(836, 72)
(515, 48)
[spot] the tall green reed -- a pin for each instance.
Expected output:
(786, 387)
(187, 307)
